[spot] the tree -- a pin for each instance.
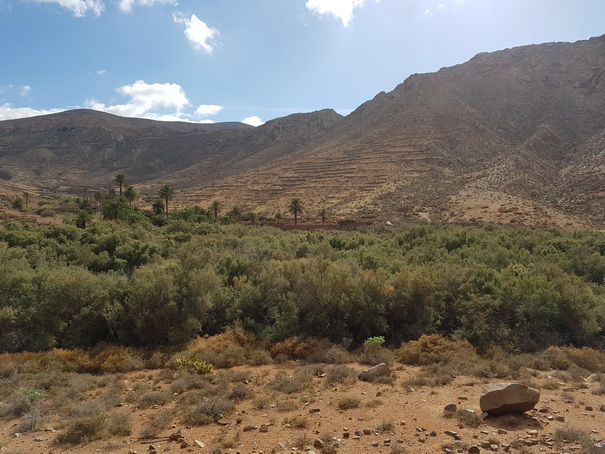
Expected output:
(323, 214)
(115, 209)
(130, 194)
(98, 197)
(26, 195)
(120, 180)
(83, 218)
(216, 207)
(157, 207)
(235, 213)
(166, 193)
(296, 207)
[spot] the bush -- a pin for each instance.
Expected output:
(348, 403)
(193, 365)
(297, 422)
(429, 349)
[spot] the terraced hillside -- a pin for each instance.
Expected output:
(515, 136)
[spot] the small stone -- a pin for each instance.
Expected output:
(250, 428)
(314, 410)
(451, 408)
(318, 443)
(474, 450)
(451, 433)
(264, 428)
(367, 432)
(199, 444)
(502, 431)
(560, 418)
(463, 397)
(588, 408)
(223, 422)
(184, 445)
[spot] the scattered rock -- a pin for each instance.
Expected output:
(380, 370)
(502, 398)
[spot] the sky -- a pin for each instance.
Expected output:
(252, 60)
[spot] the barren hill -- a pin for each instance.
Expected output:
(515, 136)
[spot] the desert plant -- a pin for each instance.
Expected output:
(297, 422)
(193, 365)
(348, 402)
(155, 424)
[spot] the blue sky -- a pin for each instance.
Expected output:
(252, 60)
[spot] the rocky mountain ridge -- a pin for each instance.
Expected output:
(514, 136)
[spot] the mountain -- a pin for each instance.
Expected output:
(514, 136)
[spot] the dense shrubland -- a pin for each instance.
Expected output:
(139, 284)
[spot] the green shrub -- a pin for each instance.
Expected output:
(193, 365)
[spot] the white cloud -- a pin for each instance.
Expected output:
(101, 72)
(25, 89)
(253, 121)
(127, 5)
(149, 101)
(342, 9)
(79, 8)
(197, 32)
(206, 110)
(9, 112)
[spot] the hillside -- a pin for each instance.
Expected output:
(514, 136)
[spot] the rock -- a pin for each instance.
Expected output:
(451, 408)
(318, 443)
(264, 428)
(602, 408)
(380, 370)
(474, 450)
(199, 444)
(560, 418)
(501, 398)
(250, 428)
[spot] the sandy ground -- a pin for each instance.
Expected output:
(414, 419)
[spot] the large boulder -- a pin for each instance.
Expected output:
(501, 398)
(380, 370)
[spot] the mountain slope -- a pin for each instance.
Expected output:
(514, 136)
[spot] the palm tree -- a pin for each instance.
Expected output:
(166, 193)
(120, 180)
(130, 194)
(216, 207)
(83, 218)
(323, 214)
(296, 208)
(158, 207)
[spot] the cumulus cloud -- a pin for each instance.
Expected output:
(25, 89)
(127, 5)
(155, 101)
(253, 121)
(9, 112)
(199, 34)
(341, 9)
(206, 110)
(79, 8)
